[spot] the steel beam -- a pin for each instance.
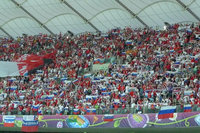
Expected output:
(73, 9)
(40, 23)
(188, 9)
(6, 32)
(133, 14)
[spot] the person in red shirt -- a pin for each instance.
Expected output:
(123, 105)
(116, 106)
(131, 93)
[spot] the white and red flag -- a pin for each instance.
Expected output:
(21, 66)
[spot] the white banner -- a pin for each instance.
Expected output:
(98, 67)
(8, 69)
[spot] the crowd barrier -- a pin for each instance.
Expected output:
(101, 111)
(27, 122)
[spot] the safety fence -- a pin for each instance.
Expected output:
(98, 111)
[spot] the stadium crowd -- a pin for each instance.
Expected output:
(146, 68)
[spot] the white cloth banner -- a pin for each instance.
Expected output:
(8, 69)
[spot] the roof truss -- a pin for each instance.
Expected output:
(188, 9)
(79, 14)
(40, 23)
(5, 32)
(133, 14)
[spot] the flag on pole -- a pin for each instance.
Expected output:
(76, 81)
(76, 111)
(87, 75)
(91, 112)
(88, 97)
(49, 97)
(35, 107)
(13, 88)
(134, 74)
(128, 42)
(61, 94)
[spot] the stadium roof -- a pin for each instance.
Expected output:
(54, 16)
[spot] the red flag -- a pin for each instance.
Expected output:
(29, 62)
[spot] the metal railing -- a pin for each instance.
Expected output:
(99, 111)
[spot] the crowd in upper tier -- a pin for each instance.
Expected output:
(144, 67)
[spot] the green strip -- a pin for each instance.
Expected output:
(46, 125)
(53, 120)
(99, 124)
(121, 118)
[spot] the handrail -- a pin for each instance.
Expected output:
(144, 110)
